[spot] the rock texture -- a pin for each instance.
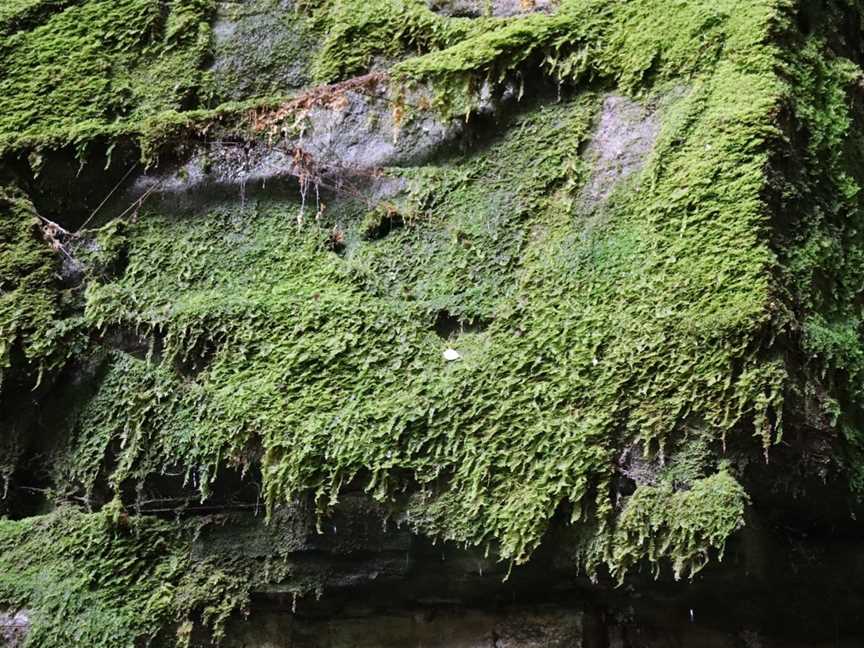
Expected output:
(624, 137)
(500, 8)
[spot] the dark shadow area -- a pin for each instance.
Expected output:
(449, 326)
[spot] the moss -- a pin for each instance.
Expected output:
(659, 318)
(821, 241)
(469, 219)
(630, 321)
(360, 34)
(109, 579)
(16, 15)
(98, 68)
(584, 40)
(659, 523)
(28, 301)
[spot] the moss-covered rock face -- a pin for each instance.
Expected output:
(74, 70)
(262, 48)
(580, 267)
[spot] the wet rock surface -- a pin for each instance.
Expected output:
(539, 627)
(343, 143)
(386, 586)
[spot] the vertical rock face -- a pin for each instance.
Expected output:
(542, 627)
(395, 323)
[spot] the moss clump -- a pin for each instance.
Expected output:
(631, 44)
(822, 242)
(360, 34)
(20, 14)
(109, 579)
(99, 67)
(659, 523)
(28, 301)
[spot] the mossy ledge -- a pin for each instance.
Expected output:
(627, 359)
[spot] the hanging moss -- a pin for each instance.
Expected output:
(666, 313)
(659, 523)
(28, 301)
(823, 244)
(362, 34)
(109, 579)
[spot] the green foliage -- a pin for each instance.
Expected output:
(18, 14)
(629, 43)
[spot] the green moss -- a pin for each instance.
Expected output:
(659, 523)
(659, 318)
(823, 248)
(109, 579)
(18, 14)
(630, 321)
(360, 33)
(28, 301)
(99, 67)
(631, 44)
(469, 219)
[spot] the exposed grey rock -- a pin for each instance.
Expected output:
(620, 146)
(499, 8)
(14, 628)
(261, 47)
(329, 143)
(636, 466)
(362, 133)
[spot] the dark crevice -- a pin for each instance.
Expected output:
(380, 222)
(335, 241)
(27, 493)
(173, 493)
(196, 359)
(69, 187)
(139, 345)
(449, 326)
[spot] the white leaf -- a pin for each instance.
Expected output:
(452, 354)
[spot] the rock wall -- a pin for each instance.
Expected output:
(394, 323)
